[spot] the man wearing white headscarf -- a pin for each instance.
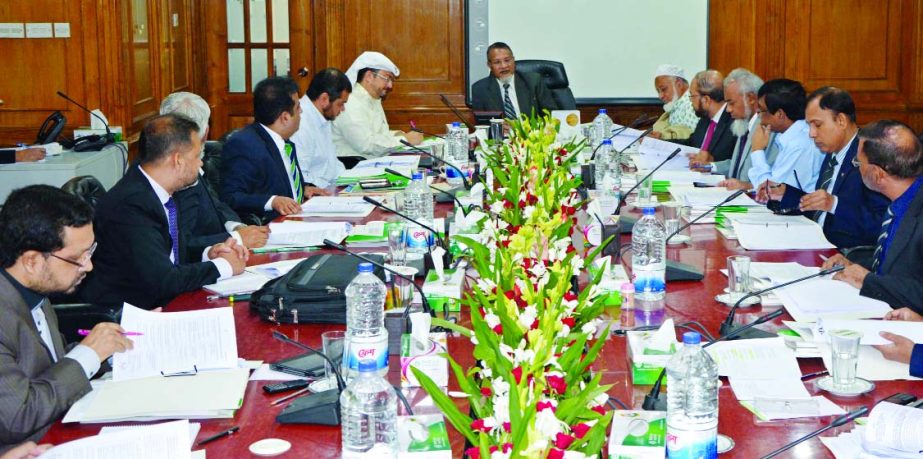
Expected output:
(679, 118)
(362, 129)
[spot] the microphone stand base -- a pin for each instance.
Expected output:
(658, 403)
(753, 333)
(322, 408)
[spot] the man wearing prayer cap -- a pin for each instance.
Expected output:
(362, 129)
(679, 118)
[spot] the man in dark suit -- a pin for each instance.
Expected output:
(890, 160)
(514, 93)
(260, 166)
(712, 134)
(848, 211)
(46, 241)
(144, 257)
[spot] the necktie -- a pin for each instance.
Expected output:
(885, 227)
(827, 175)
(709, 134)
(508, 111)
(734, 173)
(174, 229)
(294, 172)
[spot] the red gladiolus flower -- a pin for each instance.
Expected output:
(507, 428)
(473, 452)
(570, 296)
(562, 152)
(580, 430)
(569, 321)
(555, 454)
(557, 383)
(599, 409)
(485, 391)
(514, 229)
(517, 374)
(478, 424)
(498, 329)
(544, 406)
(507, 204)
(507, 447)
(534, 325)
(562, 440)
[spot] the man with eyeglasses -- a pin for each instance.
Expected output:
(145, 257)
(890, 160)
(46, 243)
(507, 90)
(712, 135)
(848, 211)
(362, 131)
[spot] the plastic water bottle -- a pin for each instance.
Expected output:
(418, 205)
(457, 145)
(603, 153)
(366, 336)
(692, 402)
(648, 268)
(368, 412)
(602, 125)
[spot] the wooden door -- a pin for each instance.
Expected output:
(248, 41)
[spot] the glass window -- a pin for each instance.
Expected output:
(280, 21)
(257, 21)
(235, 21)
(237, 70)
(259, 67)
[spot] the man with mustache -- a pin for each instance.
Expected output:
(46, 242)
(505, 89)
(679, 118)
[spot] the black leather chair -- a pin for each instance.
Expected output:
(73, 316)
(211, 165)
(555, 78)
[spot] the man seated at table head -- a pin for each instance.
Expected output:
(322, 103)
(890, 160)
(741, 87)
(362, 131)
(679, 118)
(792, 158)
(849, 212)
(207, 214)
(260, 172)
(145, 257)
(508, 90)
(46, 242)
(712, 134)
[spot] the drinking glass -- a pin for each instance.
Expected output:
(333, 348)
(644, 191)
(845, 347)
(397, 243)
(738, 277)
(671, 220)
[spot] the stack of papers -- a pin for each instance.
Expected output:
(335, 206)
(703, 199)
(375, 168)
(253, 278)
(892, 431)
(652, 152)
(829, 299)
(293, 233)
(766, 231)
(170, 440)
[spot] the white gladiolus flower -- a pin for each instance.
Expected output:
(547, 424)
(528, 211)
(474, 340)
(589, 328)
(486, 372)
(574, 455)
(500, 386)
(499, 454)
(523, 356)
(565, 330)
(527, 316)
(539, 270)
(496, 207)
(491, 319)
(601, 399)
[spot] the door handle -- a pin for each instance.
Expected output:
(303, 72)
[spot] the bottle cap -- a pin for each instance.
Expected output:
(365, 267)
(649, 211)
(607, 142)
(690, 338)
(450, 172)
(456, 124)
(418, 176)
(602, 110)
(367, 365)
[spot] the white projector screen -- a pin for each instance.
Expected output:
(610, 48)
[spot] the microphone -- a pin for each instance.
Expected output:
(414, 128)
(652, 400)
(440, 190)
(639, 120)
(618, 208)
(446, 259)
(320, 408)
(93, 142)
(729, 321)
(836, 422)
(691, 222)
(445, 100)
(465, 181)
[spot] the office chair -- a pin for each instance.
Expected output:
(85, 187)
(555, 77)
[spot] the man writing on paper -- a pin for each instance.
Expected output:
(890, 160)
(208, 216)
(797, 161)
(323, 102)
(260, 170)
(144, 257)
(847, 210)
(514, 93)
(679, 118)
(362, 130)
(46, 242)
(712, 134)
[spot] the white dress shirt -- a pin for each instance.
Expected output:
(280, 146)
(313, 141)
(362, 129)
(513, 97)
(840, 157)
(797, 152)
(224, 267)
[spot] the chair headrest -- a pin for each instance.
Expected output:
(85, 187)
(551, 71)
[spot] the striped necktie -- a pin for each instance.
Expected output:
(508, 111)
(174, 229)
(734, 173)
(293, 172)
(827, 175)
(885, 227)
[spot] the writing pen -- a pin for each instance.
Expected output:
(281, 249)
(84, 332)
(797, 181)
(813, 375)
(216, 436)
(289, 397)
(232, 298)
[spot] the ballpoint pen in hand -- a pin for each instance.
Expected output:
(84, 332)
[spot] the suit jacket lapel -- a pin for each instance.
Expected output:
(153, 202)
(523, 95)
(494, 93)
(274, 153)
(904, 232)
(52, 320)
(846, 168)
(723, 127)
(20, 309)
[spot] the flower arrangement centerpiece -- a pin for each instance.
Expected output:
(531, 392)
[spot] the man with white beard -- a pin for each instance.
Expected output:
(740, 91)
(679, 118)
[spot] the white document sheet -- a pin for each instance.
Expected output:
(194, 428)
(895, 426)
(306, 234)
(773, 232)
(176, 342)
(781, 388)
(824, 407)
(264, 373)
(396, 162)
(245, 282)
(169, 440)
(869, 330)
(652, 152)
(335, 206)
(685, 177)
(276, 268)
(829, 299)
(767, 358)
(704, 198)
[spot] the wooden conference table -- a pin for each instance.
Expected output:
(685, 301)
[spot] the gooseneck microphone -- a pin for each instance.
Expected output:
(93, 142)
(836, 422)
(729, 321)
(414, 128)
(618, 208)
(638, 121)
(652, 400)
(341, 384)
(445, 100)
(437, 189)
(692, 222)
(465, 181)
(321, 408)
(442, 242)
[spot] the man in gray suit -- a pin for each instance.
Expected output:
(46, 241)
(521, 92)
